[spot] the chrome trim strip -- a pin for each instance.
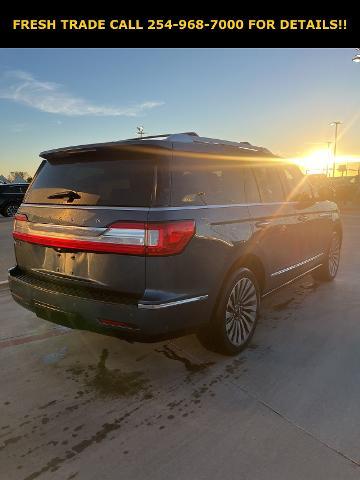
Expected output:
(145, 306)
(290, 281)
(83, 207)
(59, 231)
(201, 207)
(284, 270)
(156, 209)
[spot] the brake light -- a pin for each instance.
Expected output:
(130, 238)
(21, 217)
(169, 238)
(152, 238)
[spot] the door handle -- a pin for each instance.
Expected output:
(325, 215)
(262, 224)
(303, 218)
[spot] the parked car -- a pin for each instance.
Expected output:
(346, 188)
(150, 238)
(11, 196)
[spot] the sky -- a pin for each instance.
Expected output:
(283, 99)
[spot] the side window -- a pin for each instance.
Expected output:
(297, 185)
(240, 185)
(269, 184)
(204, 183)
(234, 184)
(195, 183)
(251, 189)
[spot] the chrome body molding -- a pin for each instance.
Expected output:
(291, 281)
(284, 270)
(164, 209)
(82, 207)
(149, 306)
(150, 209)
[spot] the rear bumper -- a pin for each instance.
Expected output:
(135, 319)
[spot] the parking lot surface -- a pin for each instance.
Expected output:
(76, 405)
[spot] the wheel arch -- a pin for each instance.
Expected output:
(250, 261)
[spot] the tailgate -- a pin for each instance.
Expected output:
(66, 250)
(82, 220)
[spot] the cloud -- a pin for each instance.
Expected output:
(18, 127)
(23, 88)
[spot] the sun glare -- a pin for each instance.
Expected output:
(322, 161)
(315, 162)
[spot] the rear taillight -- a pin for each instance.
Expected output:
(21, 217)
(130, 238)
(152, 238)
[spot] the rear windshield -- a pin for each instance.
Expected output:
(105, 180)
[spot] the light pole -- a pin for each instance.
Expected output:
(336, 124)
(329, 158)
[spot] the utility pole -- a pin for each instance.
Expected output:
(336, 124)
(329, 158)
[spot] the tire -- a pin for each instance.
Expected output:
(10, 209)
(236, 315)
(328, 270)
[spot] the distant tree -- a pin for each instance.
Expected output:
(18, 176)
(29, 179)
(342, 169)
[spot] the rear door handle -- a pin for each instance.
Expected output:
(325, 215)
(262, 224)
(303, 218)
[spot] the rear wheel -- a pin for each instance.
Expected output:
(10, 210)
(236, 315)
(328, 270)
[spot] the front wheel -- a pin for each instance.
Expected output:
(236, 316)
(328, 270)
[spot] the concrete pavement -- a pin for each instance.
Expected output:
(76, 405)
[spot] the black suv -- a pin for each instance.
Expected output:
(11, 196)
(153, 237)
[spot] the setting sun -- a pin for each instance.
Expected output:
(322, 161)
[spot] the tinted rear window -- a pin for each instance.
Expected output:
(102, 179)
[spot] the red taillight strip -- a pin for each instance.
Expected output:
(21, 217)
(131, 238)
(84, 245)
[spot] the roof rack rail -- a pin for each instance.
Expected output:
(215, 141)
(193, 137)
(165, 135)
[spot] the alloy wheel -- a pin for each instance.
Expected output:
(241, 311)
(11, 210)
(334, 255)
